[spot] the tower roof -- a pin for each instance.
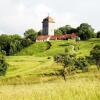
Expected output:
(48, 19)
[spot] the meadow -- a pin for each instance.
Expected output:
(33, 75)
(79, 89)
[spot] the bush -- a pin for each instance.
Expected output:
(71, 64)
(98, 34)
(31, 34)
(59, 58)
(95, 53)
(26, 42)
(67, 61)
(3, 65)
(82, 64)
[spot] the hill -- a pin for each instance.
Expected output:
(33, 75)
(39, 48)
(34, 62)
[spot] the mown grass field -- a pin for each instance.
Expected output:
(33, 76)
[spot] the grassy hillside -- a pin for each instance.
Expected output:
(32, 69)
(33, 76)
(38, 49)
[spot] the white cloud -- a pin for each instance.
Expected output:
(42, 10)
(16, 16)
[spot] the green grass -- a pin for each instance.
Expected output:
(38, 49)
(32, 76)
(26, 69)
(29, 69)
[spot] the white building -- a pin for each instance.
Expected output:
(48, 26)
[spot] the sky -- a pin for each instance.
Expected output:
(17, 16)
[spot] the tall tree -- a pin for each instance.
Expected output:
(30, 34)
(67, 29)
(85, 31)
(98, 34)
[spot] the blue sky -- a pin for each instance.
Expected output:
(16, 16)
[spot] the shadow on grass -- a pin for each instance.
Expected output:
(56, 73)
(62, 45)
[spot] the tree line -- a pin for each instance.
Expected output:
(11, 44)
(84, 31)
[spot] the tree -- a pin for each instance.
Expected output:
(67, 29)
(68, 65)
(15, 46)
(85, 31)
(15, 37)
(98, 34)
(3, 65)
(95, 53)
(67, 60)
(70, 62)
(30, 34)
(5, 43)
(11, 44)
(58, 31)
(26, 42)
(81, 63)
(39, 32)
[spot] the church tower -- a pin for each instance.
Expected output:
(48, 26)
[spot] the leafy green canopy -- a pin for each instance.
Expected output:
(30, 34)
(95, 53)
(3, 65)
(70, 62)
(85, 31)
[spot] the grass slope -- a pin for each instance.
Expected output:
(31, 69)
(38, 49)
(32, 76)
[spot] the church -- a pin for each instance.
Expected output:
(48, 26)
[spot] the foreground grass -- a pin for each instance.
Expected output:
(81, 89)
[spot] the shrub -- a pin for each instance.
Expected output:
(95, 53)
(3, 65)
(98, 34)
(82, 64)
(67, 61)
(59, 58)
(26, 42)
(70, 63)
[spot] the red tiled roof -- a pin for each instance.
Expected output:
(42, 37)
(45, 37)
